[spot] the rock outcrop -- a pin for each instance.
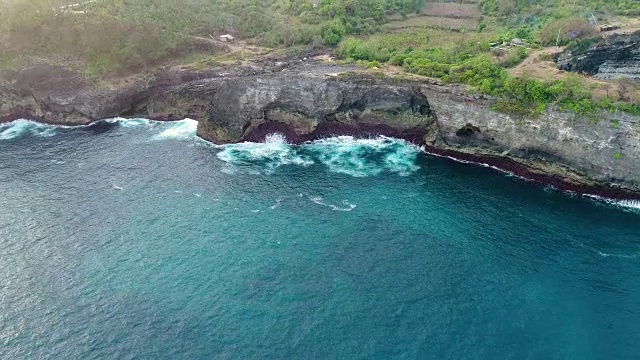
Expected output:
(303, 106)
(310, 101)
(609, 58)
(577, 150)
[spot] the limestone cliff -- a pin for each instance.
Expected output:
(575, 149)
(300, 105)
(307, 102)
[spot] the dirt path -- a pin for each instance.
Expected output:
(535, 67)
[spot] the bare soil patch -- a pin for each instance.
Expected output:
(451, 10)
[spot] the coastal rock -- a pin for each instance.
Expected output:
(309, 102)
(613, 57)
(301, 106)
(575, 149)
(313, 106)
(56, 95)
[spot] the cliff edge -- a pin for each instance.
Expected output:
(305, 102)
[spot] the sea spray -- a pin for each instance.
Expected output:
(343, 154)
(183, 129)
(268, 155)
(21, 127)
(356, 157)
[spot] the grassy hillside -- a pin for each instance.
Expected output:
(470, 43)
(456, 41)
(122, 35)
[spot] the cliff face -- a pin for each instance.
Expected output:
(612, 57)
(302, 106)
(575, 149)
(56, 95)
(311, 101)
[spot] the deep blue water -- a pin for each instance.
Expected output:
(133, 239)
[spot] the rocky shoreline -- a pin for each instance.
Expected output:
(310, 101)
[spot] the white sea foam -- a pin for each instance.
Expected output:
(130, 123)
(632, 205)
(365, 157)
(277, 204)
(271, 154)
(17, 128)
(624, 256)
(181, 130)
(343, 154)
(346, 206)
(629, 205)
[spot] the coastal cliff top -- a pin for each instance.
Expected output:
(503, 49)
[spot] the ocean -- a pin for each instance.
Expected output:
(134, 239)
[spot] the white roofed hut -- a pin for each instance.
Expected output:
(226, 38)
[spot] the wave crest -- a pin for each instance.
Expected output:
(181, 130)
(365, 157)
(270, 154)
(343, 154)
(21, 127)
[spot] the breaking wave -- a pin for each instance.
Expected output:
(129, 123)
(183, 129)
(268, 155)
(627, 205)
(343, 154)
(18, 128)
(365, 157)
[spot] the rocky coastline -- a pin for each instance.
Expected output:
(307, 101)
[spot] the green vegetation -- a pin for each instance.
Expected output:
(466, 59)
(117, 37)
(557, 8)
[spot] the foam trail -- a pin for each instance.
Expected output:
(347, 206)
(624, 256)
(630, 205)
(21, 127)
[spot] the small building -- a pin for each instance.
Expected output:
(517, 42)
(609, 27)
(226, 38)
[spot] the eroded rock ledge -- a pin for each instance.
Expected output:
(310, 101)
(617, 56)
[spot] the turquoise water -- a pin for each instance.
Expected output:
(133, 239)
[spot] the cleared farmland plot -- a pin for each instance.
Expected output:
(451, 10)
(434, 23)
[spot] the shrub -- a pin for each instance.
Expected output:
(475, 70)
(515, 57)
(426, 67)
(569, 29)
(373, 64)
